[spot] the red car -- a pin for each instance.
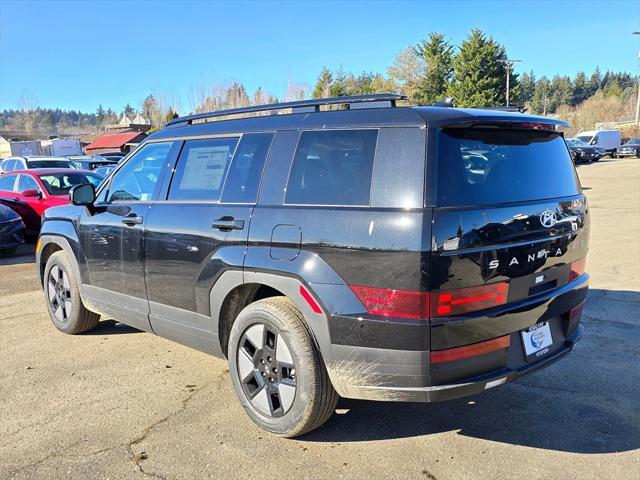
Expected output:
(31, 192)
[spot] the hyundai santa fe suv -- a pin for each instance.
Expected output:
(336, 247)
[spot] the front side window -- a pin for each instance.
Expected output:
(7, 182)
(332, 167)
(201, 169)
(27, 183)
(136, 180)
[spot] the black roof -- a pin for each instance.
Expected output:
(362, 111)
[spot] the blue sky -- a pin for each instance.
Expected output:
(76, 55)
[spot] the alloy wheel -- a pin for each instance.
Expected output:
(266, 370)
(59, 291)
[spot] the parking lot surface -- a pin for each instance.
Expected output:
(118, 403)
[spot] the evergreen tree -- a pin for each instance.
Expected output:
(322, 88)
(540, 100)
(437, 56)
(127, 109)
(479, 77)
(100, 113)
(595, 82)
(527, 87)
(579, 88)
(339, 87)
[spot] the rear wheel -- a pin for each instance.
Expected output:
(276, 370)
(62, 293)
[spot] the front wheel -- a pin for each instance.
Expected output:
(276, 370)
(62, 293)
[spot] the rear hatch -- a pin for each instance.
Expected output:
(510, 231)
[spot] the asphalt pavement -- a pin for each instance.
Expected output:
(118, 403)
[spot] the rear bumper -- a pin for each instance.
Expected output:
(378, 367)
(470, 386)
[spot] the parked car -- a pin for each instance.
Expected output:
(114, 156)
(609, 140)
(584, 152)
(91, 162)
(373, 252)
(12, 230)
(629, 149)
(12, 164)
(105, 170)
(31, 192)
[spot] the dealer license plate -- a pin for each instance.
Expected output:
(537, 340)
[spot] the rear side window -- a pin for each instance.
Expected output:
(487, 167)
(7, 182)
(332, 167)
(243, 179)
(202, 168)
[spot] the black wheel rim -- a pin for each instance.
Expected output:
(59, 292)
(266, 370)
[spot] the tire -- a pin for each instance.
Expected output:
(62, 295)
(298, 397)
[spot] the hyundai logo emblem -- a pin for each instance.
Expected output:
(548, 218)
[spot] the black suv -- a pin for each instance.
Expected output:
(335, 247)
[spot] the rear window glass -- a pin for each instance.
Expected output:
(332, 167)
(486, 167)
(50, 164)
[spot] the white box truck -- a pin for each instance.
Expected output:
(25, 148)
(607, 139)
(61, 147)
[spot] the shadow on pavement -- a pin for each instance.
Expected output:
(586, 403)
(111, 327)
(25, 253)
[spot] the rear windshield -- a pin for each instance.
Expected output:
(50, 164)
(490, 166)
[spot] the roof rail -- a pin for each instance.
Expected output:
(302, 106)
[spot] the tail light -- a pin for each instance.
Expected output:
(393, 303)
(464, 300)
(577, 268)
(473, 350)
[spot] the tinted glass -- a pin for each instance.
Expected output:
(332, 167)
(6, 182)
(201, 169)
(27, 183)
(137, 179)
(50, 164)
(486, 167)
(61, 183)
(243, 179)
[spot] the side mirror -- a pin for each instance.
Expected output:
(84, 194)
(32, 193)
(593, 142)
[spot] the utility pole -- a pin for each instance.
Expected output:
(638, 99)
(508, 65)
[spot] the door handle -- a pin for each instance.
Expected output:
(228, 224)
(132, 219)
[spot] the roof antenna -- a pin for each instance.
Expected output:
(446, 102)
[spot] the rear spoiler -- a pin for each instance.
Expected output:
(447, 117)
